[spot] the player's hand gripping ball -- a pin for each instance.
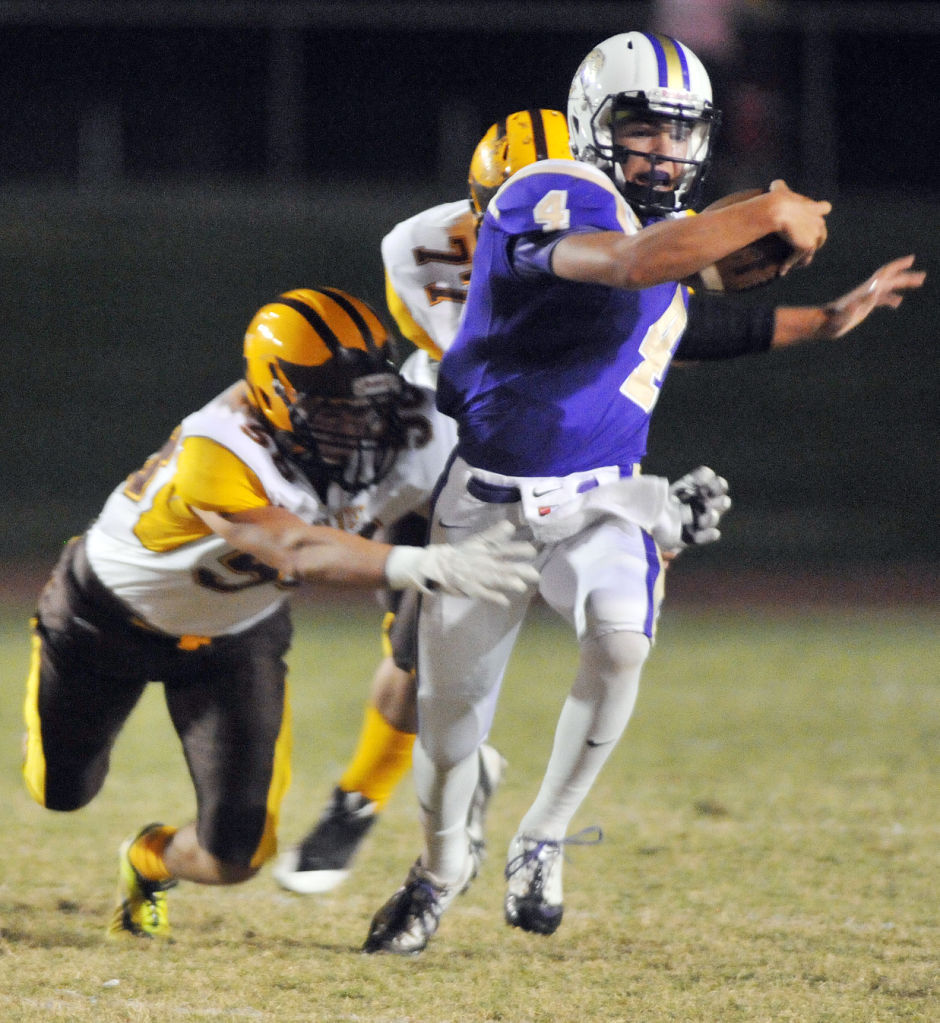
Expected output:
(749, 267)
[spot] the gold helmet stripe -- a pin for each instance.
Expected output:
(320, 326)
(356, 316)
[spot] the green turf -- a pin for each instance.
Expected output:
(770, 853)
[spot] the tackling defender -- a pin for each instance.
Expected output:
(184, 577)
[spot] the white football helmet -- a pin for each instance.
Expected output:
(643, 75)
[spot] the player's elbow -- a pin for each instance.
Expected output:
(636, 268)
(634, 274)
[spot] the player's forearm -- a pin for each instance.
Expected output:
(299, 551)
(670, 250)
(337, 559)
(679, 249)
(793, 324)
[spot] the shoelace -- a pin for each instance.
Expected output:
(152, 909)
(427, 891)
(590, 835)
(421, 902)
(426, 895)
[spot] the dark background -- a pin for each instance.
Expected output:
(166, 169)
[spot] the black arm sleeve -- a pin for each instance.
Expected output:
(723, 329)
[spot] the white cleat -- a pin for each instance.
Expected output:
(323, 859)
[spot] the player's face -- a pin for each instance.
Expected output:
(340, 426)
(655, 145)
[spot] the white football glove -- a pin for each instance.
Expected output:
(488, 565)
(700, 498)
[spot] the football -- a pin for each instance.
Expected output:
(756, 264)
(749, 267)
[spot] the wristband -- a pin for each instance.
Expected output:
(402, 567)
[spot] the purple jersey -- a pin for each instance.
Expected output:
(547, 376)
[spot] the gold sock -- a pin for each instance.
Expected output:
(381, 760)
(146, 853)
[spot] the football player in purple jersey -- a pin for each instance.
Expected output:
(574, 312)
(427, 261)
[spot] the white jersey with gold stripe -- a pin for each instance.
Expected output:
(159, 557)
(427, 260)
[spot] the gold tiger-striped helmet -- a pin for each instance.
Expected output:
(511, 143)
(318, 363)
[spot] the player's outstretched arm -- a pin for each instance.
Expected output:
(278, 538)
(674, 250)
(489, 566)
(886, 287)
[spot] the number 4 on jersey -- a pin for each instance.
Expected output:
(643, 384)
(551, 211)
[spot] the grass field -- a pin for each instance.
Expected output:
(771, 852)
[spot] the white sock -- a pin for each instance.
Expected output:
(590, 724)
(445, 797)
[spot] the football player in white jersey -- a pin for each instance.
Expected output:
(185, 575)
(427, 260)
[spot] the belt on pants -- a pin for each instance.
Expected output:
(500, 493)
(493, 493)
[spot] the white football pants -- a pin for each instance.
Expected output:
(607, 583)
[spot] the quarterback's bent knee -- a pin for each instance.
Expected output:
(622, 650)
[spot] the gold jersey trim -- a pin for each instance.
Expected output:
(208, 475)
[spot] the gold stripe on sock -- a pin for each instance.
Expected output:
(146, 853)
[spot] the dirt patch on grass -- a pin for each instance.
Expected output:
(887, 585)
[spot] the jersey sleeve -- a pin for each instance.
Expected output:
(531, 254)
(559, 195)
(211, 477)
(407, 324)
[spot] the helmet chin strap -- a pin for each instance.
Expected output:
(645, 199)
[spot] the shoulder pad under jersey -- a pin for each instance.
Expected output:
(429, 227)
(555, 195)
